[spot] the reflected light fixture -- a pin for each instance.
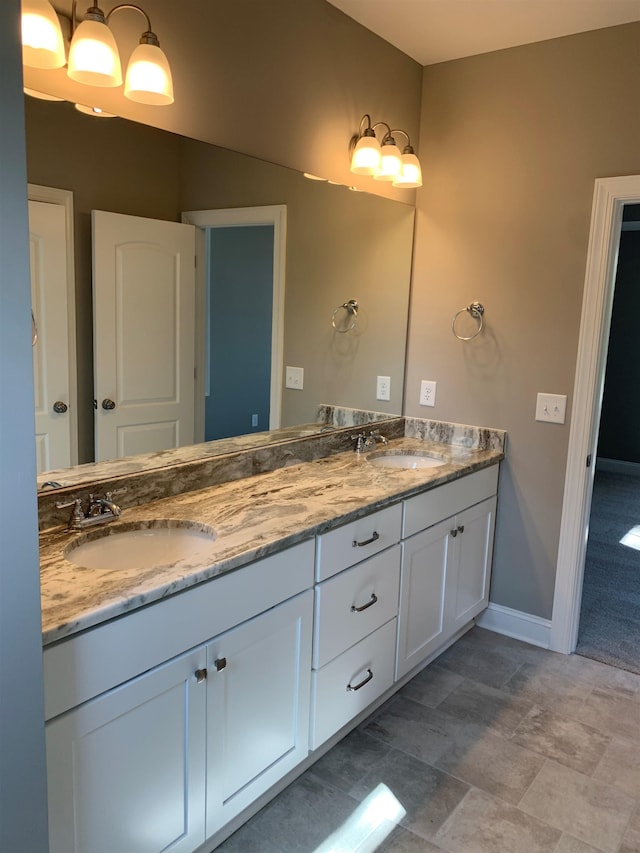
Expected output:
(383, 160)
(94, 59)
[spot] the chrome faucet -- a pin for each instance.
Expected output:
(366, 442)
(99, 510)
(103, 506)
(376, 435)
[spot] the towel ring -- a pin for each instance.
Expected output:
(476, 310)
(351, 307)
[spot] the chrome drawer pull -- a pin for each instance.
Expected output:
(356, 544)
(369, 603)
(362, 683)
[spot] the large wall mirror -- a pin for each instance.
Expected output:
(340, 245)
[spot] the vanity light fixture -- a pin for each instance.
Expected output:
(383, 160)
(93, 53)
(42, 40)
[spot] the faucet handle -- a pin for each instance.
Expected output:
(360, 439)
(77, 514)
(109, 495)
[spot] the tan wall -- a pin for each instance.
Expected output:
(511, 144)
(285, 80)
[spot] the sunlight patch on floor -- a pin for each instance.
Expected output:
(368, 826)
(632, 538)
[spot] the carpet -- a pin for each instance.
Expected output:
(610, 614)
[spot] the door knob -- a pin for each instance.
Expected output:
(59, 407)
(108, 404)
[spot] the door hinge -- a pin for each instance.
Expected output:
(589, 461)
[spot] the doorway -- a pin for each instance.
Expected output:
(610, 197)
(609, 628)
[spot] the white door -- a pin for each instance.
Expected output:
(258, 688)
(469, 572)
(421, 620)
(48, 257)
(126, 771)
(144, 327)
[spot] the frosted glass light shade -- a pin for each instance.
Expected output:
(365, 159)
(410, 175)
(42, 41)
(148, 79)
(93, 56)
(390, 162)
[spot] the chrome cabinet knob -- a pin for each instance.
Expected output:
(59, 407)
(201, 675)
(220, 664)
(108, 405)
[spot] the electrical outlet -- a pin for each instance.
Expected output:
(294, 378)
(383, 388)
(428, 392)
(551, 408)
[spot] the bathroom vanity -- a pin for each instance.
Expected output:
(180, 698)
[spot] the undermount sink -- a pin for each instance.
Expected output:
(144, 546)
(404, 459)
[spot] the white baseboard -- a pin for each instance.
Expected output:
(618, 466)
(516, 624)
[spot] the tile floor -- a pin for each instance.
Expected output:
(497, 746)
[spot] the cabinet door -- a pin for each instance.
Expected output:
(421, 619)
(126, 770)
(469, 572)
(258, 690)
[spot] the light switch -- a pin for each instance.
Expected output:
(294, 378)
(551, 408)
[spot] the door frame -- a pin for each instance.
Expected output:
(610, 197)
(275, 215)
(64, 198)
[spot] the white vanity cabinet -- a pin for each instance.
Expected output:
(446, 565)
(162, 760)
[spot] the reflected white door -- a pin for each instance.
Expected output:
(48, 257)
(144, 323)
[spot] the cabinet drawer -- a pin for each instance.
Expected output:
(353, 604)
(350, 544)
(433, 506)
(351, 682)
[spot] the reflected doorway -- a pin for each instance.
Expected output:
(273, 218)
(238, 340)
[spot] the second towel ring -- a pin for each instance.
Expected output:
(476, 310)
(351, 307)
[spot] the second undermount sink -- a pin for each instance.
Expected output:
(142, 546)
(411, 459)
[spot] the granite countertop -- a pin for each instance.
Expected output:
(252, 518)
